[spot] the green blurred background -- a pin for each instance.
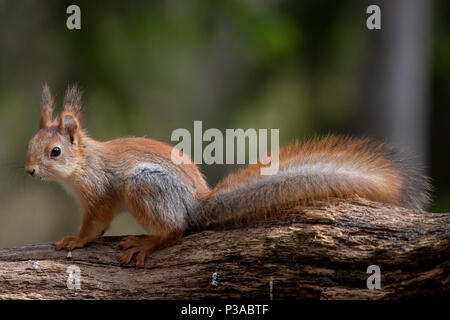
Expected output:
(149, 67)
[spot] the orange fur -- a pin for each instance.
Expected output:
(316, 170)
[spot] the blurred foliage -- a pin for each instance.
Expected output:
(149, 67)
(440, 95)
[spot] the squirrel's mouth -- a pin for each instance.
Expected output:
(43, 177)
(35, 172)
(38, 175)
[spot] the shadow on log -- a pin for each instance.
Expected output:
(320, 252)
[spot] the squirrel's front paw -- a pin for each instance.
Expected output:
(69, 243)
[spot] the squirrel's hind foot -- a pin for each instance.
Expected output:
(143, 246)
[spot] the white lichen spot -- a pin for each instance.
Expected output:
(271, 288)
(36, 265)
(214, 281)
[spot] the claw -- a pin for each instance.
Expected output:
(63, 242)
(128, 256)
(140, 259)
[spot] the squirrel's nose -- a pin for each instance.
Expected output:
(30, 170)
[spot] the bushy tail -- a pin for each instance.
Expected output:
(316, 169)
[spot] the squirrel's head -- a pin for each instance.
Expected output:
(55, 149)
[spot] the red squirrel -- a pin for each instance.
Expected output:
(171, 199)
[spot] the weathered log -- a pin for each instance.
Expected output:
(321, 252)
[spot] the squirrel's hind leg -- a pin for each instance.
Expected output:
(159, 201)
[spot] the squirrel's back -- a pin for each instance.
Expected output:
(314, 170)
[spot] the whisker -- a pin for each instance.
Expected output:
(6, 164)
(12, 165)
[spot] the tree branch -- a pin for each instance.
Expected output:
(320, 252)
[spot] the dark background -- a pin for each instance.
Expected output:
(149, 67)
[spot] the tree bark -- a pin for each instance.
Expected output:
(320, 252)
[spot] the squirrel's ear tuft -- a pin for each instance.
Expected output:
(72, 100)
(47, 107)
(69, 126)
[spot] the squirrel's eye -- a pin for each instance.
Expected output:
(56, 151)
